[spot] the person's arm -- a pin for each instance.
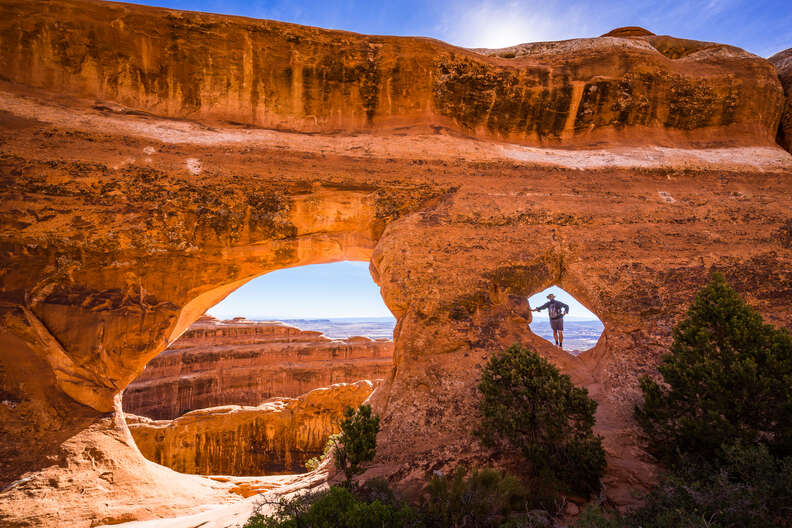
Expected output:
(540, 308)
(566, 308)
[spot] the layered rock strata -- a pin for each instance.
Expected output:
(243, 363)
(123, 220)
(276, 437)
(783, 63)
(288, 77)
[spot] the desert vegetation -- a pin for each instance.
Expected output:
(719, 422)
(526, 403)
(717, 419)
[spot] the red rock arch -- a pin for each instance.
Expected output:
(119, 229)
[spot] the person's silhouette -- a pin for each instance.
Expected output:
(556, 310)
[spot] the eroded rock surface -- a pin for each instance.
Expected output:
(242, 362)
(124, 219)
(783, 63)
(271, 74)
(277, 436)
(96, 464)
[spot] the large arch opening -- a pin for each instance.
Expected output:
(581, 328)
(257, 384)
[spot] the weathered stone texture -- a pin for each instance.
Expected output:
(278, 436)
(244, 363)
(277, 75)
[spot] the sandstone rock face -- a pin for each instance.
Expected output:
(271, 74)
(243, 363)
(783, 63)
(100, 462)
(122, 222)
(278, 436)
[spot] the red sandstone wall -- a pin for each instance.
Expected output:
(275, 437)
(243, 363)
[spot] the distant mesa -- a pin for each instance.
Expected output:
(629, 31)
(243, 362)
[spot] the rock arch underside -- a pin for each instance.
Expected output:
(152, 161)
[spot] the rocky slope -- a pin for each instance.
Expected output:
(241, 362)
(123, 219)
(783, 63)
(277, 436)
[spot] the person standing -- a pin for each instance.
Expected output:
(556, 310)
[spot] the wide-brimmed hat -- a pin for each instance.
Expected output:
(550, 296)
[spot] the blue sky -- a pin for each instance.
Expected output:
(577, 312)
(340, 289)
(763, 27)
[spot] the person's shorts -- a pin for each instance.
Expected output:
(557, 324)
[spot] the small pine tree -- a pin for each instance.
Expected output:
(357, 443)
(529, 405)
(728, 379)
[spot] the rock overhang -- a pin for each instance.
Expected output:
(269, 74)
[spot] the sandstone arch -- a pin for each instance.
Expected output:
(122, 220)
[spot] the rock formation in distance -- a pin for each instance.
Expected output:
(278, 436)
(241, 362)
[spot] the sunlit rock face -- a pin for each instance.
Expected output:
(278, 436)
(783, 63)
(136, 192)
(241, 362)
(283, 76)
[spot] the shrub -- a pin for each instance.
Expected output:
(596, 517)
(338, 507)
(487, 498)
(727, 379)
(527, 404)
(357, 443)
(750, 489)
(313, 463)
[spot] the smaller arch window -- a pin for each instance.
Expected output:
(578, 330)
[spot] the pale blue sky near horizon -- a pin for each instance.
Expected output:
(577, 312)
(763, 27)
(317, 291)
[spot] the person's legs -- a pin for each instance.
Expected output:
(558, 331)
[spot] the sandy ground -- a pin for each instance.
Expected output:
(257, 491)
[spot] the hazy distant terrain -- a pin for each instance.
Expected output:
(578, 335)
(343, 327)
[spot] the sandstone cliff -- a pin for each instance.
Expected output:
(122, 221)
(277, 436)
(277, 75)
(243, 363)
(783, 63)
